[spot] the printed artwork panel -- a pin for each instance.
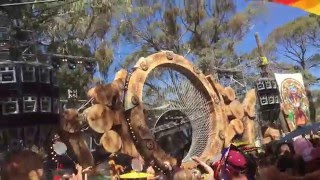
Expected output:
(294, 99)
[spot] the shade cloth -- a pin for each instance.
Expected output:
(311, 6)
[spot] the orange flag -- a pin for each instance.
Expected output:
(311, 6)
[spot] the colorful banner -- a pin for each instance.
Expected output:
(294, 99)
(311, 6)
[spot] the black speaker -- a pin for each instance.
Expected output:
(260, 85)
(268, 99)
(28, 94)
(263, 100)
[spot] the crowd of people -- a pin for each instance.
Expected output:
(298, 159)
(294, 160)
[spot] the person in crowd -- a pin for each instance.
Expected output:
(23, 165)
(235, 165)
(183, 174)
(285, 147)
(287, 160)
(303, 147)
(207, 170)
(286, 163)
(81, 174)
(271, 172)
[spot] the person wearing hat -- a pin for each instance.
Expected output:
(234, 165)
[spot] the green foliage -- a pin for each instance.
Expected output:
(295, 45)
(207, 30)
(73, 79)
(203, 29)
(73, 27)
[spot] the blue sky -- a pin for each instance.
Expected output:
(275, 16)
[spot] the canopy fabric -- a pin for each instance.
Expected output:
(301, 130)
(135, 175)
(311, 6)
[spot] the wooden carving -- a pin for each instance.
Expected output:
(249, 104)
(70, 125)
(249, 130)
(228, 94)
(99, 118)
(236, 110)
(69, 121)
(80, 149)
(111, 141)
(119, 114)
(271, 134)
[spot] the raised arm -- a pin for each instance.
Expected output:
(205, 166)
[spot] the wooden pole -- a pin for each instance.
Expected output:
(263, 60)
(260, 51)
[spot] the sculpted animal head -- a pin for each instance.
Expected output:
(71, 121)
(109, 95)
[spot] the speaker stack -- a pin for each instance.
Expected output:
(268, 99)
(29, 103)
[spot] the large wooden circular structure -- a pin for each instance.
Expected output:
(135, 111)
(165, 104)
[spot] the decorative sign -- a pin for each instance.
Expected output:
(294, 99)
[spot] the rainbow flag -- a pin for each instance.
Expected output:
(311, 6)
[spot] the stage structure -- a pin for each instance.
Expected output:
(29, 92)
(29, 103)
(270, 122)
(165, 109)
(232, 78)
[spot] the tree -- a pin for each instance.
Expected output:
(294, 45)
(84, 23)
(313, 33)
(75, 28)
(201, 29)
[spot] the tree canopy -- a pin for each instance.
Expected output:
(76, 28)
(205, 31)
(201, 29)
(294, 47)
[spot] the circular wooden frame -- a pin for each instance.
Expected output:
(140, 132)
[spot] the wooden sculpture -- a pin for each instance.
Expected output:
(271, 134)
(115, 170)
(71, 135)
(118, 112)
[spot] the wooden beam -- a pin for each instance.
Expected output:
(260, 51)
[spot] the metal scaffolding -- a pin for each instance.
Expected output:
(233, 78)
